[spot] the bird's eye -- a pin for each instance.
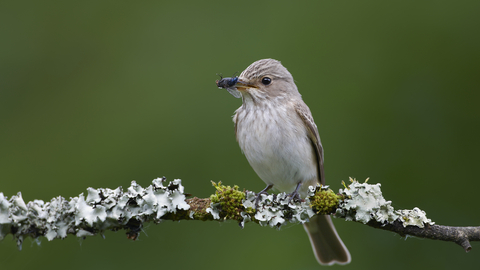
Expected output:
(266, 80)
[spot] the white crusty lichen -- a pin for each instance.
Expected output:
(271, 209)
(103, 209)
(415, 217)
(214, 210)
(364, 202)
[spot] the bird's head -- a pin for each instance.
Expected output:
(266, 79)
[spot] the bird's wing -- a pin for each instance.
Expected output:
(304, 112)
(235, 120)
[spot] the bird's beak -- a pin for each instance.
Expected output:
(243, 85)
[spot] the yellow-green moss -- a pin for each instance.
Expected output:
(324, 202)
(251, 212)
(230, 200)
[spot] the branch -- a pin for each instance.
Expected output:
(106, 209)
(459, 235)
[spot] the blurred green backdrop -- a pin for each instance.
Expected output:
(99, 93)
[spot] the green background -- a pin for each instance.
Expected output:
(100, 93)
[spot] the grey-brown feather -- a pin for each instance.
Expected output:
(276, 131)
(304, 113)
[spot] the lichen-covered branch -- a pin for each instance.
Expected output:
(105, 209)
(459, 235)
(366, 204)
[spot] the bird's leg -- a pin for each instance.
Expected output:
(294, 194)
(264, 191)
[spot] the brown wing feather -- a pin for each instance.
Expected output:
(304, 112)
(235, 120)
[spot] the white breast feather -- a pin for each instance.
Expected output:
(279, 158)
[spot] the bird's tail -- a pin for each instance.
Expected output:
(327, 245)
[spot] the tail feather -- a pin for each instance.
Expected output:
(327, 245)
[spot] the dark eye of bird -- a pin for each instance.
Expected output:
(266, 80)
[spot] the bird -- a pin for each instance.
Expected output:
(278, 136)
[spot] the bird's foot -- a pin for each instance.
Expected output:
(259, 194)
(294, 195)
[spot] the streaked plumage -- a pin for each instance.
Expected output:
(277, 134)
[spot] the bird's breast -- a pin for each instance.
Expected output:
(276, 144)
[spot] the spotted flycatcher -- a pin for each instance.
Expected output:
(277, 134)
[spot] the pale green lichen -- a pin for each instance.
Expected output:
(415, 217)
(272, 210)
(364, 202)
(275, 210)
(103, 209)
(106, 209)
